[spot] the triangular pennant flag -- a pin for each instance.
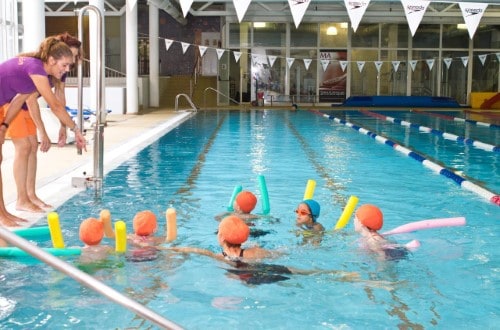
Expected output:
(430, 63)
(324, 64)
(237, 56)
(271, 59)
(414, 10)
(168, 43)
(298, 9)
(185, 46)
(241, 7)
(307, 62)
(482, 58)
(186, 5)
(343, 65)
(465, 60)
(361, 65)
(290, 61)
(395, 65)
(202, 50)
(356, 9)
(131, 4)
(220, 52)
(447, 61)
(378, 65)
(413, 64)
(255, 59)
(472, 13)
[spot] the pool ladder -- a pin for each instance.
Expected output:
(188, 99)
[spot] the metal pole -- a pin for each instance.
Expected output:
(99, 126)
(87, 280)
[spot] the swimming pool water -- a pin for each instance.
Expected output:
(451, 281)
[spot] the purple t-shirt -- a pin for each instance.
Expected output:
(15, 77)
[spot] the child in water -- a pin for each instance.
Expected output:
(308, 214)
(91, 234)
(243, 205)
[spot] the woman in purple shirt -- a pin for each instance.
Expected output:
(20, 78)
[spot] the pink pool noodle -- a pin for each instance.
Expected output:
(426, 224)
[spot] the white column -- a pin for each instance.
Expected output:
(154, 57)
(94, 57)
(33, 24)
(132, 57)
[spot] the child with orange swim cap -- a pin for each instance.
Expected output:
(145, 226)
(91, 234)
(243, 205)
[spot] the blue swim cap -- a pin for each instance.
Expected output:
(313, 207)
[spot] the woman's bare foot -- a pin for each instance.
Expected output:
(41, 204)
(7, 221)
(29, 207)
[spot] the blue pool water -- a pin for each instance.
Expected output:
(451, 281)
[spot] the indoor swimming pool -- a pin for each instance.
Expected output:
(450, 282)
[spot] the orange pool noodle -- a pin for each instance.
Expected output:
(246, 201)
(91, 231)
(233, 230)
(144, 223)
(105, 217)
(370, 216)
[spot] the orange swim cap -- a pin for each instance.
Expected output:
(246, 201)
(91, 231)
(233, 230)
(144, 223)
(370, 216)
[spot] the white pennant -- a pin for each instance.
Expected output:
(307, 62)
(472, 13)
(413, 64)
(356, 9)
(324, 64)
(202, 50)
(131, 4)
(289, 61)
(241, 7)
(255, 59)
(271, 59)
(395, 65)
(343, 65)
(237, 56)
(414, 11)
(361, 65)
(185, 5)
(430, 63)
(465, 60)
(378, 65)
(447, 61)
(168, 43)
(298, 9)
(482, 58)
(185, 46)
(220, 52)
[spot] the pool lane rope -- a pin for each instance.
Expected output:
(446, 117)
(490, 196)
(448, 136)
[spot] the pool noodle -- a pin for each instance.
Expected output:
(346, 214)
(105, 217)
(16, 252)
(121, 236)
(55, 230)
(32, 232)
(265, 196)
(171, 224)
(309, 192)
(236, 191)
(426, 224)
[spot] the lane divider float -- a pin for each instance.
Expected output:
(446, 117)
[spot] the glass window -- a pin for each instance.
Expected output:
(269, 35)
(266, 78)
(426, 36)
(394, 35)
(484, 76)
(454, 78)
(454, 36)
(239, 35)
(364, 82)
(393, 76)
(487, 36)
(305, 36)
(366, 36)
(424, 77)
(302, 79)
(333, 35)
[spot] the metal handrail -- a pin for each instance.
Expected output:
(194, 108)
(86, 280)
(218, 92)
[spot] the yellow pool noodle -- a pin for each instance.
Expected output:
(121, 236)
(171, 216)
(55, 230)
(346, 214)
(105, 216)
(309, 192)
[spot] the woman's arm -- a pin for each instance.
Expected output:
(34, 109)
(59, 87)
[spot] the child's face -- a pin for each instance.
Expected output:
(304, 217)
